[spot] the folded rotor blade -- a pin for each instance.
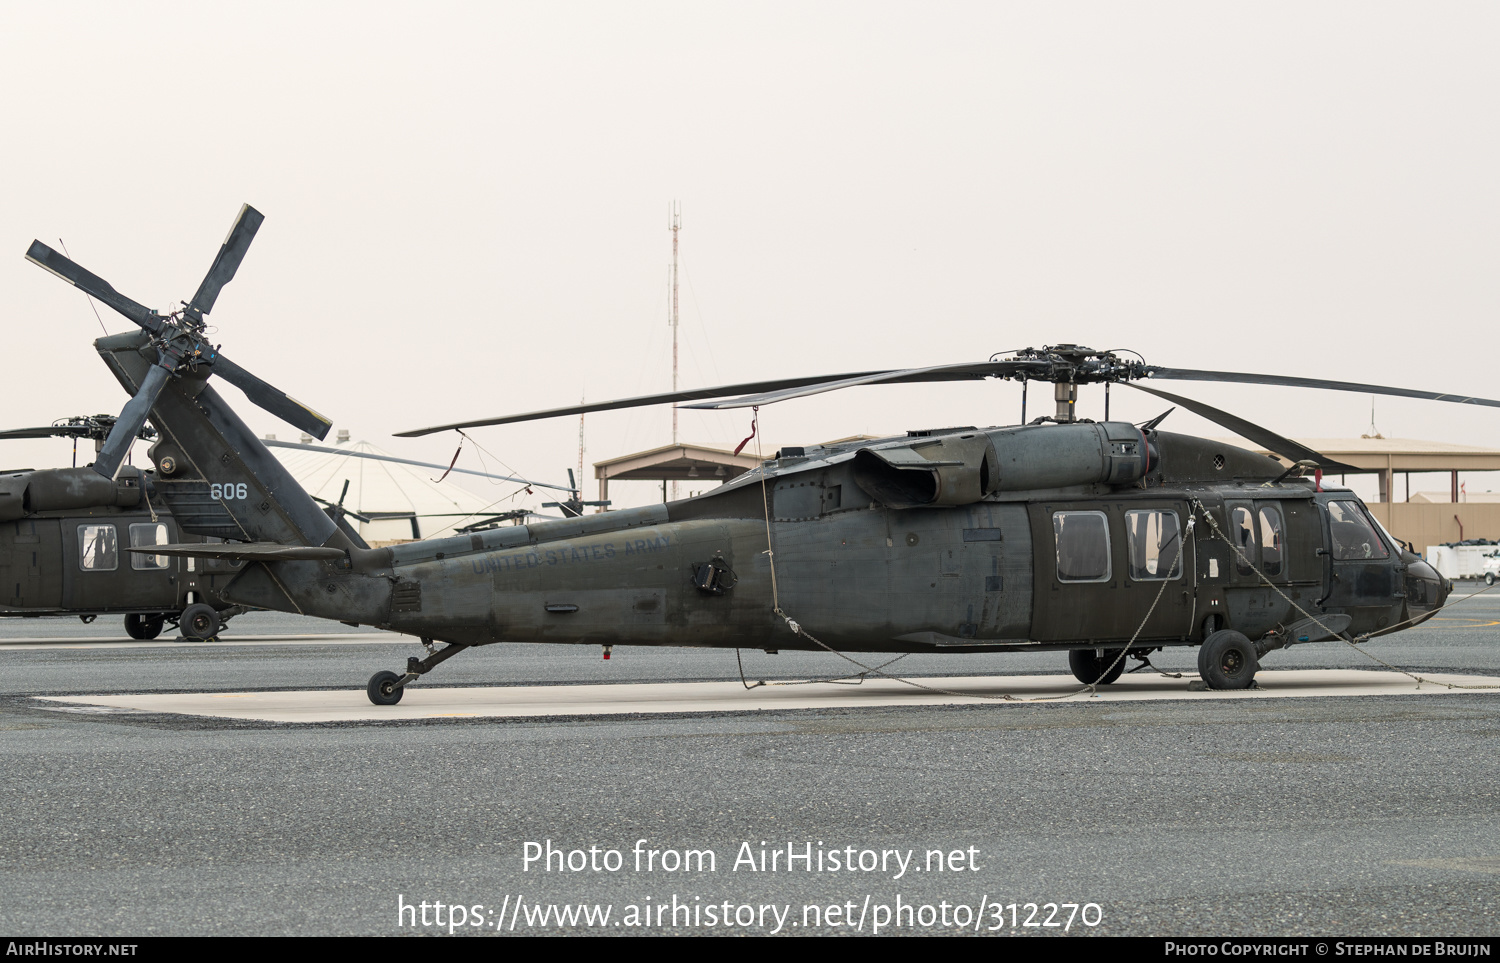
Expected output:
(272, 399)
(43, 256)
(693, 394)
(132, 417)
(1240, 377)
(351, 453)
(231, 253)
(942, 372)
(1264, 437)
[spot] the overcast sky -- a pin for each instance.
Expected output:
(466, 206)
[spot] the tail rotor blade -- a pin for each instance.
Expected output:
(132, 418)
(272, 399)
(44, 257)
(231, 253)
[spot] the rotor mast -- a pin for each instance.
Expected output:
(1066, 395)
(674, 224)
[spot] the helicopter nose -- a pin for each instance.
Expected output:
(1426, 590)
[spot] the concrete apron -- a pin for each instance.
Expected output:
(521, 702)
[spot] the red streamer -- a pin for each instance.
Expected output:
(754, 427)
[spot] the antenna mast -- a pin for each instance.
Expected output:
(674, 224)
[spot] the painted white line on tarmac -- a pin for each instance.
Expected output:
(429, 702)
(336, 638)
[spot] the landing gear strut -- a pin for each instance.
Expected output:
(385, 688)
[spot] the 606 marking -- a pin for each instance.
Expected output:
(229, 490)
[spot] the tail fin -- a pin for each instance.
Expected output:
(215, 475)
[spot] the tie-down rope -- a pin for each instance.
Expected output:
(1092, 688)
(1352, 643)
(867, 670)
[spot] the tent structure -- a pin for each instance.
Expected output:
(402, 502)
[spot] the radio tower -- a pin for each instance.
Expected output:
(674, 224)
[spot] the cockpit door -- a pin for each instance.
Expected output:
(1363, 578)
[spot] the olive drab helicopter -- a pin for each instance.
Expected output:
(63, 535)
(62, 532)
(1058, 534)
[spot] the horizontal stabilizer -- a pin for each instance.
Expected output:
(245, 551)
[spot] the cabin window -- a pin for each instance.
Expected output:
(1155, 542)
(1353, 538)
(98, 548)
(1271, 546)
(1242, 530)
(1082, 546)
(142, 535)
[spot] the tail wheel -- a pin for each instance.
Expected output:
(1227, 660)
(382, 689)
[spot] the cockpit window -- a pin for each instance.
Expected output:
(1353, 537)
(1155, 543)
(1242, 530)
(1271, 548)
(1082, 546)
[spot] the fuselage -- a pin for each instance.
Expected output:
(1089, 564)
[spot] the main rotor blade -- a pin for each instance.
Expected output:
(59, 431)
(1241, 377)
(272, 399)
(1264, 437)
(132, 417)
(407, 461)
(942, 372)
(231, 253)
(693, 394)
(44, 257)
(63, 431)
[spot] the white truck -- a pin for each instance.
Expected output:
(1466, 561)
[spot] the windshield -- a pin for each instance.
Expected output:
(1353, 536)
(1395, 542)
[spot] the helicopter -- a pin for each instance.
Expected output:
(1058, 534)
(61, 538)
(62, 531)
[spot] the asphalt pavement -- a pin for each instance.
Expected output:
(1353, 815)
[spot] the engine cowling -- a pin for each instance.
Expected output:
(963, 469)
(65, 489)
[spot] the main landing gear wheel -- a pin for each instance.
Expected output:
(383, 690)
(1095, 668)
(143, 627)
(199, 621)
(1227, 660)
